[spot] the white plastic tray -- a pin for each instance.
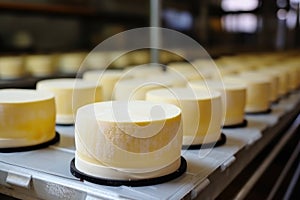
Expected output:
(45, 173)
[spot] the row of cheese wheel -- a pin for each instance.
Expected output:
(43, 65)
(140, 135)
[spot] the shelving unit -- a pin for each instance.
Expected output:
(209, 172)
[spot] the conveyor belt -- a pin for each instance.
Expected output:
(44, 174)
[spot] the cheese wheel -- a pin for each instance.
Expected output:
(119, 59)
(134, 89)
(40, 65)
(281, 77)
(106, 78)
(169, 78)
(11, 67)
(201, 112)
(27, 117)
(293, 77)
(233, 96)
(140, 57)
(142, 71)
(97, 60)
(70, 94)
(186, 69)
(258, 92)
(274, 81)
(70, 62)
(128, 139)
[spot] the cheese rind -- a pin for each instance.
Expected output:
(258, 92)
(27, 117)
(140, 142)
(70, 62)
(106, 79)
(134, 89)
(40, 65)
(70, 94)
(233, 98)
(11, 67)
(201, 112)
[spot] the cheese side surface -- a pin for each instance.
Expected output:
(106, 79)
(233, 98)
(202, 112)
(70, 94)
(11, 67)
(27, 117)
(258, 92)
(135, 139)
(40, 65)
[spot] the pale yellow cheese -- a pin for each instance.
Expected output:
(97, 60)
(27, 117)
(11, 67)
(274, 81)
(202, 112)
(128, 140)
(141, 71)
(70, 62)
(258, 92)
(186, 69)
(107, 79)
(70, 94)
(40, 65)
(134, 89)
(139, 57)
(233, 98)
(119, 59)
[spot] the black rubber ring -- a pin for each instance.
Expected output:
(221, 141)
(133, 183)
(240, 125)
(33, 147)
(58, 124)
(260, 113)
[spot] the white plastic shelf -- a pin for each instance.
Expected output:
(45, 174)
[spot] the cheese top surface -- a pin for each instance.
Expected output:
(23, 96)
(248, 79)
(184, 94)
(98, 74)
(39, 60)
(66, 83)
(11, 61)
(226, 85)
(132, 111)
(131, 85)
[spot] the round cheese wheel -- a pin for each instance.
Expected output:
(11, 67)
(140, 57)
(27, 117)
(97, 60)
(106, 78)
(258, 92)
(274, 81)
(119, 59)
(134, 89)
(186, 69)
(233, 98)
(201, 112)
(128, 139)
(281, 77)
(40, 65)
(70, 62)
(70, 94)
(142, 71)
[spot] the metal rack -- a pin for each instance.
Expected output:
(44, 174)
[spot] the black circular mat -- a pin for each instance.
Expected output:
(133, 183)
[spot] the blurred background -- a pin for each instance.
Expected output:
(221, 26)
